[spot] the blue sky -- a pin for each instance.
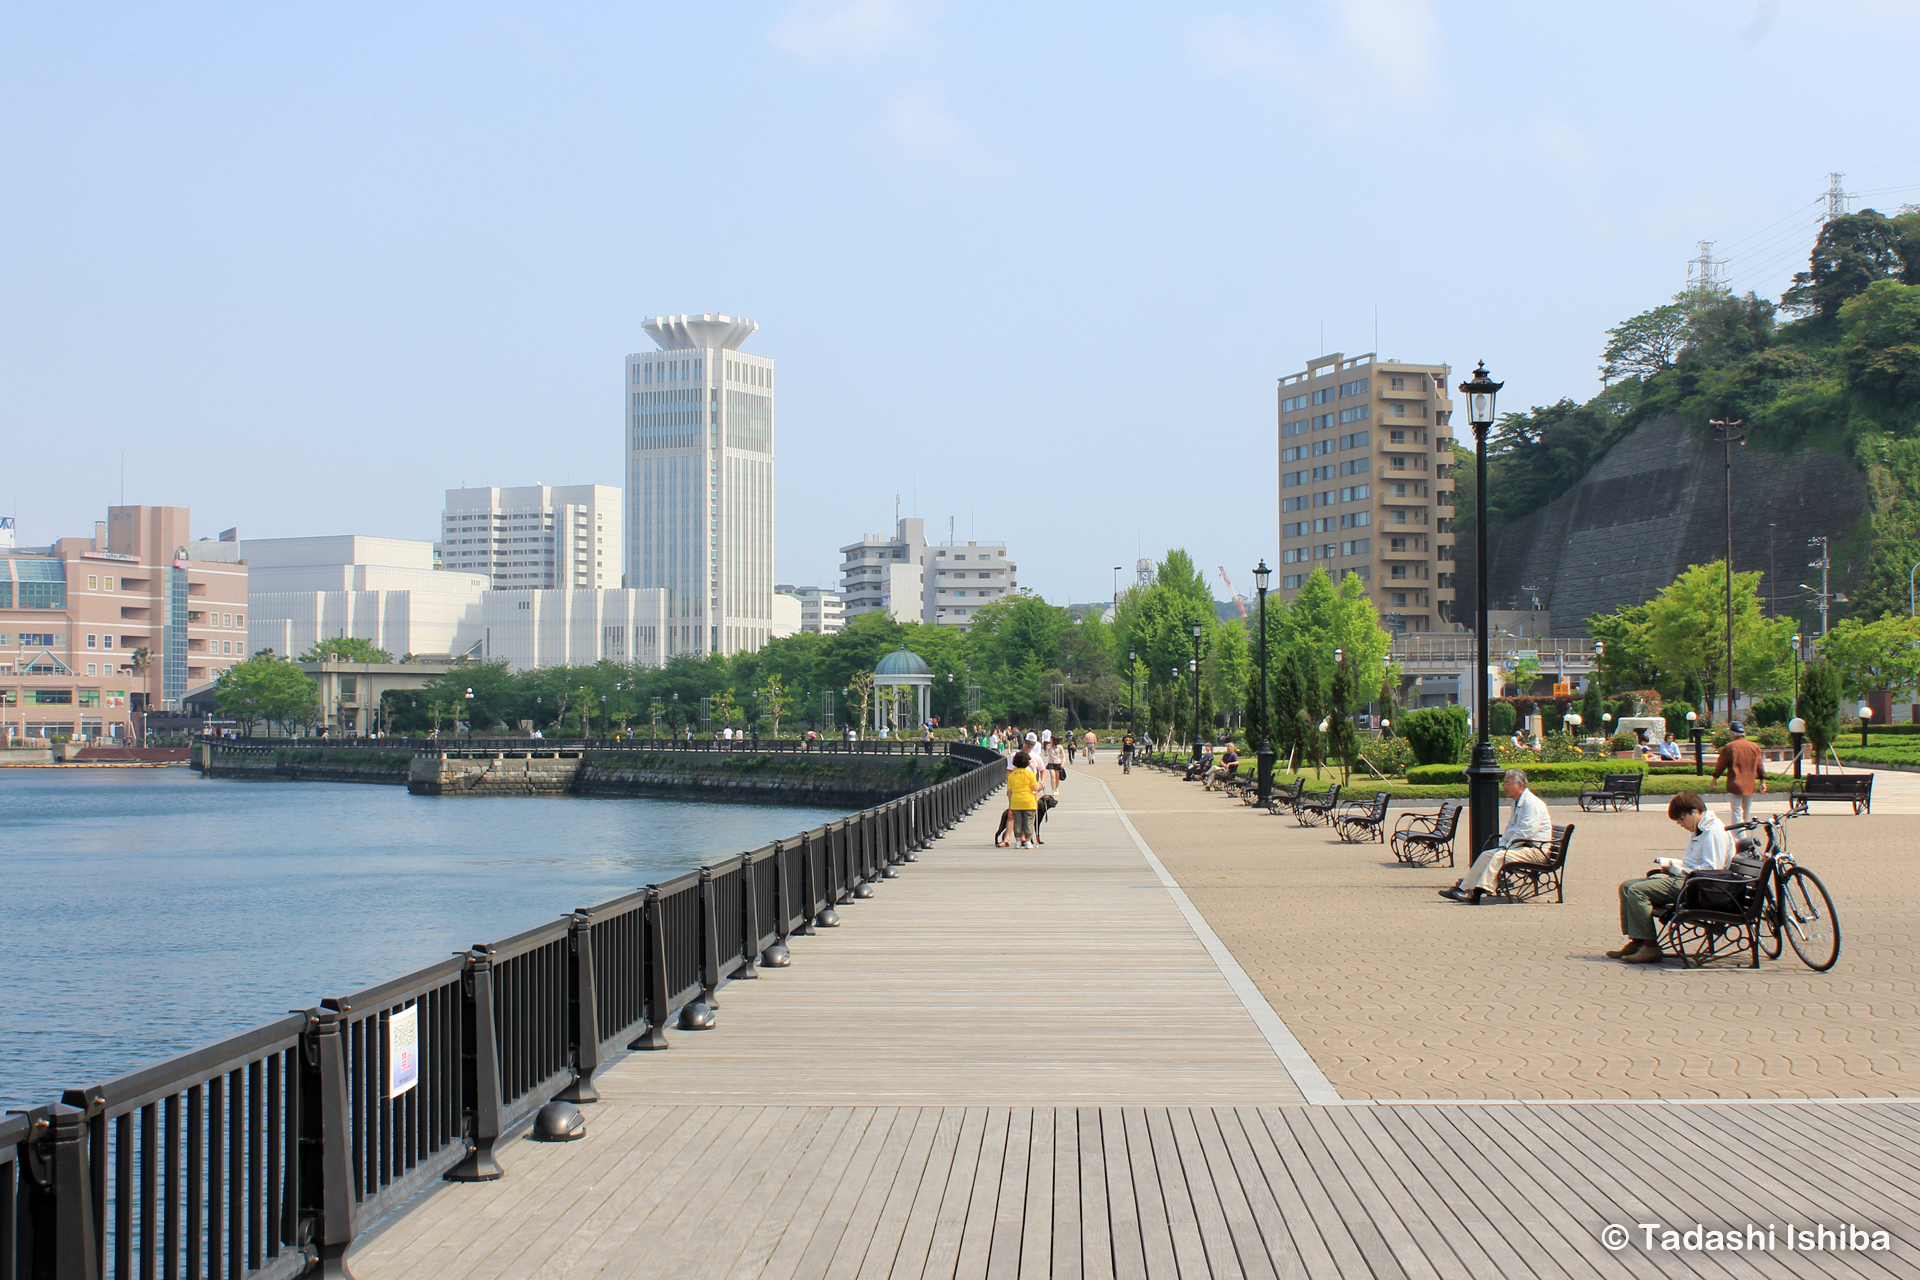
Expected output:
(1033, 267)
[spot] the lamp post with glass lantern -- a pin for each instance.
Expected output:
(469, 715)
(1797, 730)
(1263, 769)
(1133, 686)
(1483, 774)
(1866, 714)
(1695, 732)
(1196, 690)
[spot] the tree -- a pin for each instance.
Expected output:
(1881, 355)
(860, 690)
(1289, 704)
(1646, 344)
(1852, 252)
(1874, 655)
(1341, 742)
(1438, 735)
(266, 689)
(1686, 630)
(724, 708)
(1590, 709)
(1627, 660)
(773, 700)
(345, 649)
(1820, 706)
(1323, 618)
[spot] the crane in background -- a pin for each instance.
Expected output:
(1239, 601)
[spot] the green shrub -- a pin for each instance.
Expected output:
(1772, 735)
(1391, 756)
(1559, 748)
(1431, 775)
(1501, 718)
(1775, 708)
(1438, 735)
(1622, 742)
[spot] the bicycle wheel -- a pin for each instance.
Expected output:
(1807, 919)
(1771, 940)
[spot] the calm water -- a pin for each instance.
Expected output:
(146, 911)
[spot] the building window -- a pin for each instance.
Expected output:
(1358, 413)
(1298, 427)
(1399, 410)
(53, 697)
(1400, 597)
(1358, 547)
(90, 642)
(93, 582)
(1396, 384)
(1358, 493)
(1292, 581)
(1323, 395)
(109, 584)
(1295, 402)
(1358, 388)
(1356, 520)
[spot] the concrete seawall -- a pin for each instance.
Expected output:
(835, 780)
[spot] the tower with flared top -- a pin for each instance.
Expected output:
(699, 509)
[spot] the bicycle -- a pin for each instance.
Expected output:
(1798, 907)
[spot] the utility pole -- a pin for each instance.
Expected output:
(1729, 432)
(1822, 565)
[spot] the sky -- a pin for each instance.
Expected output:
(1030, 268)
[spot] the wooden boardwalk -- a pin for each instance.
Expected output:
(1043, 1064)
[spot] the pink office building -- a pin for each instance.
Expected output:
(95, 630)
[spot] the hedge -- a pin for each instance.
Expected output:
(1570, 771)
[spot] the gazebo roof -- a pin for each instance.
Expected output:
(902, 662)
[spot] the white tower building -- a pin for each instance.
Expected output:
(700, 482)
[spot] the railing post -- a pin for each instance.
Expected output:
(809, 887)
(480, 1072)
(321, 1206)
(749, 922)
(776, 955)
(59, 1196)
(653, 951)
(709, 941)
(860, 868)
(583, 1021)
(827, 894)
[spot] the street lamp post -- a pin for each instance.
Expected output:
(1866, 714)
(1797, 729)
(1196, 691)
(1796, 673)
(1695, 732)
(1483, 774)
(469, 715)
(1264, 755)
(1132, 688)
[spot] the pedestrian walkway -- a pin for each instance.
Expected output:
(1046, 1064)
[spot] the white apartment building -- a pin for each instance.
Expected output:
(385, 590)
(939, 583)
(534, 537)
(700, 454)
(573, 628)
(821, 611)
(1366, 454)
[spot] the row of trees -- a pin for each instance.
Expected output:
(1023, 661)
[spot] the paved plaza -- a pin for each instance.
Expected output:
(1399, 994)
(1185, 1039)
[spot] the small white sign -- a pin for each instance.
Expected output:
(403, 1050)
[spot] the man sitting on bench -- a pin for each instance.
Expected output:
(1709, 848)
(1529, 832)
(1229, 761)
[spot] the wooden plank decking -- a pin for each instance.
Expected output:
(1040, 1064)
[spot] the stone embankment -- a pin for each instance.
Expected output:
(833, 780)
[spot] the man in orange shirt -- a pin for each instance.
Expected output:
(1745, 768)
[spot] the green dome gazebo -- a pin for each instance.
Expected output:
(893, 676)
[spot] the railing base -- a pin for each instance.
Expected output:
(651, 1038)
(698, 1016)
(581, 1090)
(479, 1166)
(776, 957)
(863, 890)
(827, 919)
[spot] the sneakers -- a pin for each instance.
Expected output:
(1649, 953)
(1633, 945)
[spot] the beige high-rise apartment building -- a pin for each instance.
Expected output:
(1366, 457)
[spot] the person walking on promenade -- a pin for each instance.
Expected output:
(1529, 832)
(1023, 799)
(1709, 848)
(1746, 771)
(1090, 743)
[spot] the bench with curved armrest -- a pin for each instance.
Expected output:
(1283, 801)
(1525, 881)
(1847, 788)
(1718, 913)
(1615, 792)
(1360, 820)
(1317, 810)
(1420, 838)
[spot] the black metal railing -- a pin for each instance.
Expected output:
(265, 1154)
(451, 745)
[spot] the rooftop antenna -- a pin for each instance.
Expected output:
(1839, 203)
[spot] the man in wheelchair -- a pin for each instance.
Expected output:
(1709, 848)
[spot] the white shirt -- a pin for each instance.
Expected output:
(1711, 848)
(1530, 822)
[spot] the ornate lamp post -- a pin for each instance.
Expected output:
(1797, 729)
(1132, 688)
(1866, 714)
(1196, 691)
(1694, 731)
(469, 715)
(1483, 774)
(1264, 754)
